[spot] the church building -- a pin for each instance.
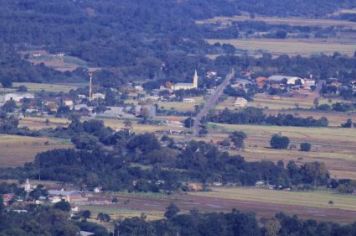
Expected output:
(187, 86)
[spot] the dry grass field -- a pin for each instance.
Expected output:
(17, 150)
(336, 147)
(37, 123)
(37, 87)
(305, 47)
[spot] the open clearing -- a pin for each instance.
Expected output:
(293, 21)
(58, 62)
(17, 150)
(289, 46)
(336, 147)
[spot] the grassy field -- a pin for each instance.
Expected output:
(181, 106)
(293, 21)
(17, 150)
(37, 87)
(336, 147)
(288, 46)
(317, 199)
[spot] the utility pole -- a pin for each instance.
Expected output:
(90, 86)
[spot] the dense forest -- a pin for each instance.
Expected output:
(126, 37)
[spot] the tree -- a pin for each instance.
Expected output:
(2, 207)
(171, 211)
(279, 142)
(85, 214)
(103, 217)
(9, 106)
(305, 147)
(189, 122)
(347, 124)
(62, 205)
(238, 138)
(272, 227)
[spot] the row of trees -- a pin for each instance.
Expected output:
(252, 115)
(195, 223)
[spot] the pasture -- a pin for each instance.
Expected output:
(17, 150)
(292, 47)
(182, 106)
(37, 123)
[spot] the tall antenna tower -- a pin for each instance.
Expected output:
(90, 86)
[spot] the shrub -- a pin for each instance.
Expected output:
(279, 142)
(305, 147)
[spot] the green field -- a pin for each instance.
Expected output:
(318, 199)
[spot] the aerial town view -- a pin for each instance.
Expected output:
(177, 117)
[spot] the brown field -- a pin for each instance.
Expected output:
(17, 150)
(305, 47)
(293, 21)
(37, 123)
(265, 202)
(336, 147)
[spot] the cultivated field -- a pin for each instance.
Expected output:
(37, 123)
(17, 150)
(336, 147)
(293, 21)
(305, 47)
(265, 203)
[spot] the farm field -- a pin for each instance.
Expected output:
(289, 46)
(17, 150)
(336, 147)
(292, 21)
(265, 202)
(37, 123)
(37, 87)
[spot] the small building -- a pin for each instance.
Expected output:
(290, 80)
(97, 96)
(261, 81)
(188, 100)
(309, 83)
(69, 196)
(240, 102)
(7, 198)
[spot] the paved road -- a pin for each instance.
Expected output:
(211, 102)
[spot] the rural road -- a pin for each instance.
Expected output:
(211, 102)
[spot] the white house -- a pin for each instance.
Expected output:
(240, 102)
